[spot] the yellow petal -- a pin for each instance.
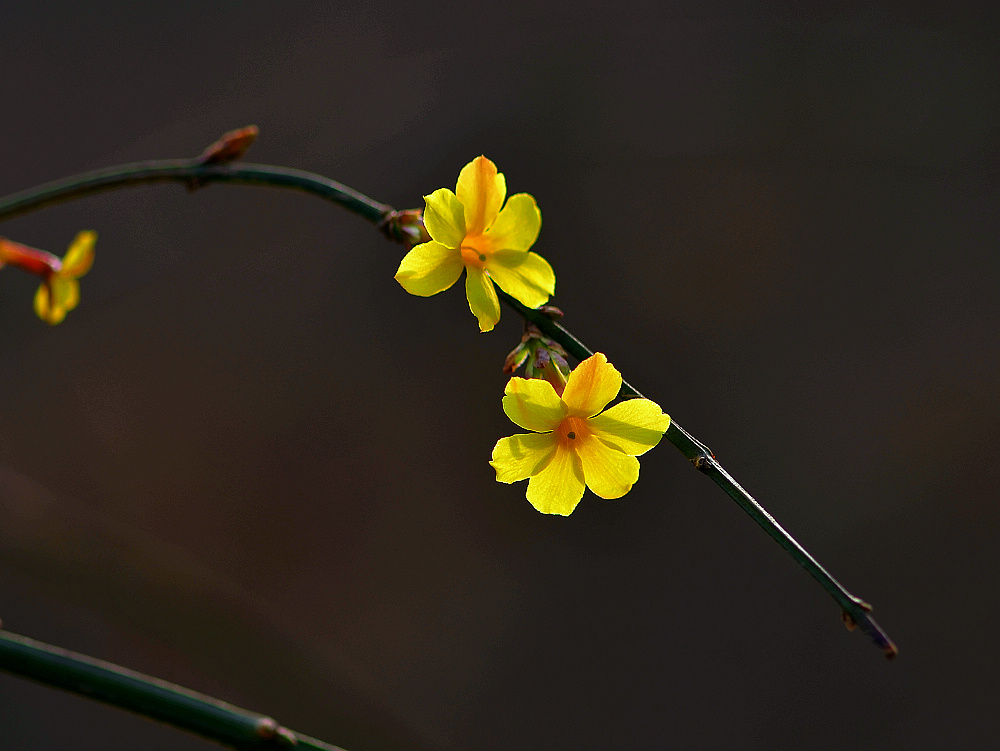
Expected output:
(591, 385)
(444, 218)
(523, 455)
(481, 189)
(44, 308)
(517, 225)
(429, 268)
(633, 427)
(533, 404)
(607, 471)
(482, 298)
(526, 276)
(559, 487)
(65, 292)
(80, 255)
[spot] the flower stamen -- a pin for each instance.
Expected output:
(572, 430)
(472, 256)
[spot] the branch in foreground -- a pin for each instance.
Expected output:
(150, 697)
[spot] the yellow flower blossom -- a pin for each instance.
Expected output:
(575, 445)
(59, 291)
(469, 230)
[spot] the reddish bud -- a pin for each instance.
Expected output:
(230, 146)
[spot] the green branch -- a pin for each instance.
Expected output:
(194, 173)
(150, 697)
(217, 720)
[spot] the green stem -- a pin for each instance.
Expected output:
(194, 174)
(150, 697)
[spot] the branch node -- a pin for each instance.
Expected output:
(702, 462)
(405, 227)
(278, 736)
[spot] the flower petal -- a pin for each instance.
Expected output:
(533, 404)
(560, 486)
(607, 471)
(591, 385)
(517, 225)
(633, 427)
(481, 189)
(429, 268)
(80, 255)
(65, 292)
(444, 218)
(483, 300)
(526, 276)
(45, 309)
(522, 455)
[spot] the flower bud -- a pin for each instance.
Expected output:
(405, 227)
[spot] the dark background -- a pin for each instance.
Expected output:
(251, 464)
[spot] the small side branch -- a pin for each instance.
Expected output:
(147, 696)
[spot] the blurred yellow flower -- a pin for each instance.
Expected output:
(59, 291)
(469, 230)
(575, 445)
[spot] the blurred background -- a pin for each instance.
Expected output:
(251, 464)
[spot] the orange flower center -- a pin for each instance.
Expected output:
(475, 250)
(572, 430)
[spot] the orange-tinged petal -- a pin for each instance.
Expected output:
(591, 385)
(483, 301)
(533, 404)
(607, 471)
(517, 225)
(80, 256)
(522, 455)
(560, 486)
(32, 260)
(633, 427)
(429, 268)
(444, 218)
(481, 189)
(526, 276)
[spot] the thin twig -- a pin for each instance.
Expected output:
(193, 173)
(147, 696)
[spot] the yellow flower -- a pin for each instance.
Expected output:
(575, 445)
(60, 292)
(469, 230)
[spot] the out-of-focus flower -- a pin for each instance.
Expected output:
(59, 291)
(469, 230)
(575, 445)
